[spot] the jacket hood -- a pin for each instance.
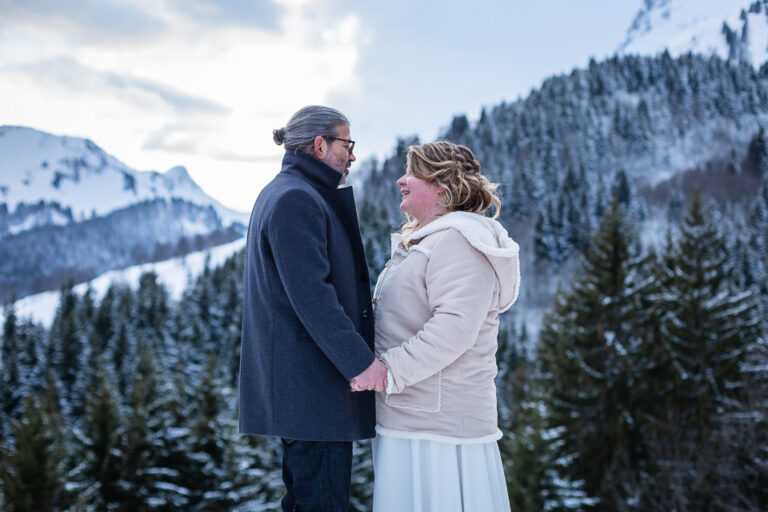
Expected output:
(487, 236)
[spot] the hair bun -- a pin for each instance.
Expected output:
(278, 136)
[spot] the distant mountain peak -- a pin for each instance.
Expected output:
(730, 29)
(76, 174)
(94, 212)
(178, 173)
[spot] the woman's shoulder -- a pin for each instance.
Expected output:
(449, 246)
(443, 238)
(450, 236)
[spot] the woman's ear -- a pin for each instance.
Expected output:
(440, 201)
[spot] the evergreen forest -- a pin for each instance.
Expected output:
(633, 372)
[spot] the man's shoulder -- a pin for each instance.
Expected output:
(288, 187)
(288, 199)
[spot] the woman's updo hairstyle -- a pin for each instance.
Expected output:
(453, 168)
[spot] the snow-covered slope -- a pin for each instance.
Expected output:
(175, 274)
(730, 29)
(84, 180)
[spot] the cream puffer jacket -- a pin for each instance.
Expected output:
(436, 309)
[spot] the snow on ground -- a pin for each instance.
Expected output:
(175, 274)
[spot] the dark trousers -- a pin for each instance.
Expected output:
(317, 475)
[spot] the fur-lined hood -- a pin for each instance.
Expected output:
(487, 236)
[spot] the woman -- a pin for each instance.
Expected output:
(437, 303)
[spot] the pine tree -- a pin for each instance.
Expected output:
(103, 328)
(151, 309)
(707, 325)
(140, 474)
(757, 154)
(594, 357)
(159, 447)
(757, 244)
(67, 348)
(32, 469)
(260, 470)
(551, 235)
(23, 367)
(121, 346)
(361, 496)
(100, 445)
(232, 324)
(207, 474)
(10, 369)
(529, 463)
(527, 456)
(621, 189)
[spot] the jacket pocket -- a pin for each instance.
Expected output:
(425, 396)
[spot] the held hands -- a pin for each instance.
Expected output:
(373, 378)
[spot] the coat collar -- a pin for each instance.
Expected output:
(486, 235)
(319, 174)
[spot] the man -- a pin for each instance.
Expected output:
(307, 319)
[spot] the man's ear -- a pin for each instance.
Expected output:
(318, 147)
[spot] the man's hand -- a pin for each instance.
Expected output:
(373, 378)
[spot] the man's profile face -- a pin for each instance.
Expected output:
(338, 156)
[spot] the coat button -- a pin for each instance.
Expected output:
(365, 314)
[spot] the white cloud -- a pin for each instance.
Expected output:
(202, 83)
(199, 84)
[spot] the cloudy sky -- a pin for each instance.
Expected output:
(202, 83)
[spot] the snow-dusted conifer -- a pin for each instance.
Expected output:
(32, 472)
(68, 351)
(707, 327)
(100, 445)
(11, 372)
(215, 481)
(593, 356)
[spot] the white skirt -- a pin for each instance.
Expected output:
(424, 475)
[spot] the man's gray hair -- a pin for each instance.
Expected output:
(306, 124)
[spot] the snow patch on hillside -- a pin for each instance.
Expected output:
(175, 274)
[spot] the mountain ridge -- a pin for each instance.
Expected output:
(79, 176)
(731, 29)
(58, 189)
(648, 129)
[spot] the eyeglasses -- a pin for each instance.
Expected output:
(350, 142)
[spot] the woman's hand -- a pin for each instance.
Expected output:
(373, 378)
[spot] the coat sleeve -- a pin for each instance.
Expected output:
(460, 288)
(299, 241)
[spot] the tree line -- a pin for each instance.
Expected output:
(647, 391)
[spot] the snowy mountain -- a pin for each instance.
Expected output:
(174, 274)
(650, 130)
(69, 211)
(82, 181)
(730, 29)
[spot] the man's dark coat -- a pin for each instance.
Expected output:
(307, 317)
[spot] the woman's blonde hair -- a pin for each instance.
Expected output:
(453, 168)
